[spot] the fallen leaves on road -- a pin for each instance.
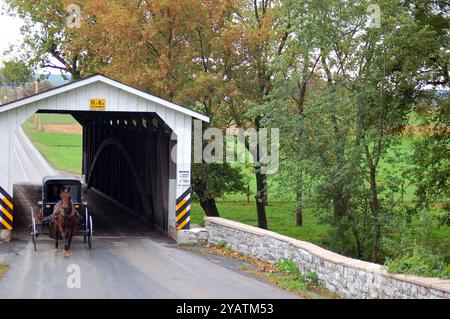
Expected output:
(269, 272)
(262, 265)
(3, 269)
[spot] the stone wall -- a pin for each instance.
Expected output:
(348, 277)
(192, 236)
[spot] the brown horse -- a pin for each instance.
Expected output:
(64, 221)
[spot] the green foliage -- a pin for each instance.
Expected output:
(342, 99)
(45, 35)
(222, 243)
(311, 278)
(431, 154)
(15, 72)
(422, 262)
(408, 242)
(216, 179)
(289, 267)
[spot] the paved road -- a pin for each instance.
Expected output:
(128, 260)
(151, 267)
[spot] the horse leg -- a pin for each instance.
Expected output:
(69, 241)
(66, 244)
(56, 232)
(71, 233)
(56, 240)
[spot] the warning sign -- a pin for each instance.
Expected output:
(184, 178)
(97, 104)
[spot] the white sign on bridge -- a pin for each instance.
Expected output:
(184, 178)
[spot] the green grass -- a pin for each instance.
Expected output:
(280, 217)
(288, 276)
(56, 119)
(440, 239)
(63, 151)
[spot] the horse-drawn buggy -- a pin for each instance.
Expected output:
(62, 213)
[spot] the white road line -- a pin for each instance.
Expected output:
(20, 164)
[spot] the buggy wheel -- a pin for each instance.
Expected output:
(90, 232)
(86, 228)
(33, 228)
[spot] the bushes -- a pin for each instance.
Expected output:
(310, 279)
(408, 243)
(421, 261)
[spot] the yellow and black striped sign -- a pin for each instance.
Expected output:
(6, 210)
(183, 210)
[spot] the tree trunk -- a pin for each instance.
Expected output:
(359, 251)
(260, 199)
(358, 243)
(261, 186)
(340, 205)
(375, 205)
(298, 204)
(299, 215)
(200, 187)
(266, 195)
(209, 207)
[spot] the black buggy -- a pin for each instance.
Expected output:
(50, 195)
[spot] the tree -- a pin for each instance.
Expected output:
(177, 51)
(363, 82)
(15, 72)
(430, 155)
(295, 70)
(214, 180)
(262, 32)
(48, 40)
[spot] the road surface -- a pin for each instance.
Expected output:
(128, 260)
(120, 267)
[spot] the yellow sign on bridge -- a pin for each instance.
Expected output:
(97, 104)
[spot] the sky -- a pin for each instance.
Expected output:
(10, 34)
(10, 31)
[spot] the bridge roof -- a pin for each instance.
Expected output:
(100, 78)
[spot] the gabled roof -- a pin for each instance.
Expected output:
(100, 78)
(56, 178)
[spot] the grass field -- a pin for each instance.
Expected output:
(280, 217)
(64, 151)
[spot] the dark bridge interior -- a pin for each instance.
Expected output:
(126, 156)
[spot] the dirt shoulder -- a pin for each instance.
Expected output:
(63, 128)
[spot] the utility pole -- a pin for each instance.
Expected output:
(37, 119)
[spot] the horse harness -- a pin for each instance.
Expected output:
(66, 211)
